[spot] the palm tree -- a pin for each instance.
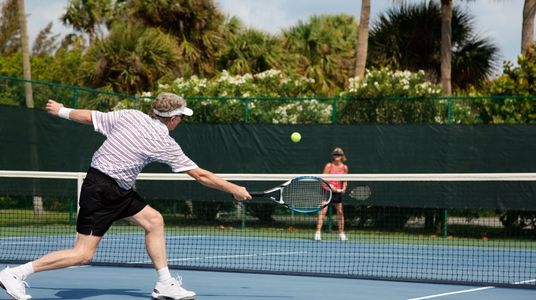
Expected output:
(195, 24)
(527, 30)
(87, 16)
(26, 68)
(45, 43)
(130, 59)
(362, 44)
(446, 46)
(323, 49)
(250, 51)
(27, 73)
(398, 40)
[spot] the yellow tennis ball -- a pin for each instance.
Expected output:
(295, 137)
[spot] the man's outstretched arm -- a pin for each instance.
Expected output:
(78, 115)
(211, 180)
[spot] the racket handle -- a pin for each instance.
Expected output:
(257, 194)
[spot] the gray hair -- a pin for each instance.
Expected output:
(166, 102)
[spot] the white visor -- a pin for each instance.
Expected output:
(177, 112)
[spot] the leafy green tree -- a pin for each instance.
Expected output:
(323, 49)
(9, 28)
(65, 66)
(195, 25)
(73, 41)
(250, 51)
(45, 43)
(130, 59)
(515, 81)
(87, 15)
(399, 40)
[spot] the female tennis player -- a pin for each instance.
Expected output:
(133, 140)
(336, 166)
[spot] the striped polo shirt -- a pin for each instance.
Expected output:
(133, 140)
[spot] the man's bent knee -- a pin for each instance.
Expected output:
(154, 222)
(84, 257)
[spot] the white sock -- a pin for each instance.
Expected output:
(23, 271)
(163, 275)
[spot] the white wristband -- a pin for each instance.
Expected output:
(64, 113)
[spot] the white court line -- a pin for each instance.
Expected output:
(526, 281)
(228, 256)
(453, 293)
(468, 291)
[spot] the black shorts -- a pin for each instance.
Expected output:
(103, 202)
(336, 198)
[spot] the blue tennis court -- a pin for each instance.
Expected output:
(125, 283)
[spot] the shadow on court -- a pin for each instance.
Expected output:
(83, 293)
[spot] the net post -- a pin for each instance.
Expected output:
(243, 216)
(446, 223)
(246, 110)
(71, 212)
(334, 111)
(449, 109)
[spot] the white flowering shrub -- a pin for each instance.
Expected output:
(387, 96)
(388, 83)
(267, 97)
(383, 96)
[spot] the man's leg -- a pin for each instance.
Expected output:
(12, 279)
(82, 253)
(155, 242)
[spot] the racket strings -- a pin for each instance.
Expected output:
(306, 194)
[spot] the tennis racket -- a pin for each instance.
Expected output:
(360, 193)
(304, 194)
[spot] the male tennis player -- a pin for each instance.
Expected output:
(133, 140)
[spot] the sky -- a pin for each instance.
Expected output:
(499, 20)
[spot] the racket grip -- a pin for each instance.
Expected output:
(257, 194)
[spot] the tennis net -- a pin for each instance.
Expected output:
(477, 229)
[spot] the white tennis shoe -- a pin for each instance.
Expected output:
(342, 236)
(13, 284)
(318, 237)
(172, 290)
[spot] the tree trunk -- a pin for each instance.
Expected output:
(527, 31)
(27, 74)
(27, 71)
(446, 46)
(362, 43)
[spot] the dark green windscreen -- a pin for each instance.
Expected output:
(33, 140)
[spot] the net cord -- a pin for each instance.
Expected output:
(284, 177)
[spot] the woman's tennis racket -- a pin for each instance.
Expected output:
(304, 194)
